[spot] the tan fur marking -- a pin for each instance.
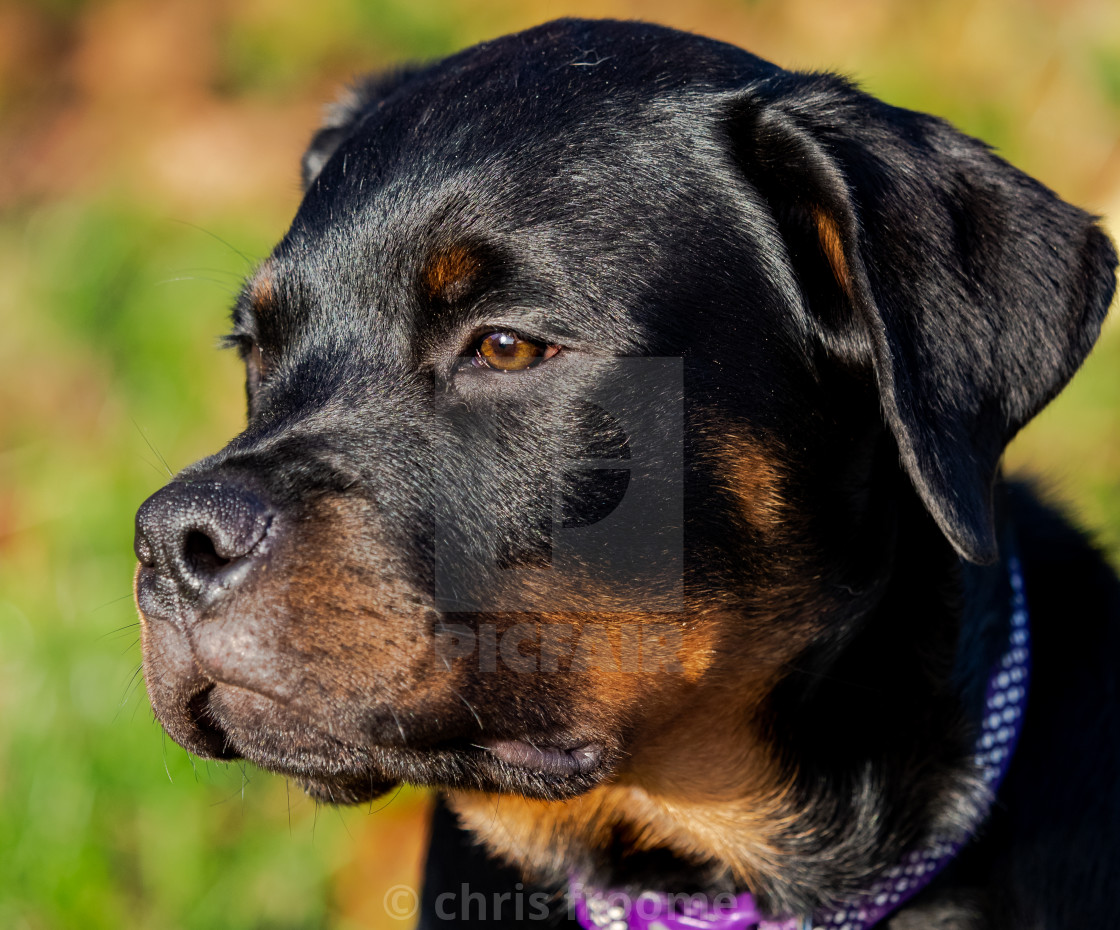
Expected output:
(262, 290)
(449, 272)
(751, 471)
(828, 232)
(724, 800)
(727, 808)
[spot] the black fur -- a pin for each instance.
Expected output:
(870, 300)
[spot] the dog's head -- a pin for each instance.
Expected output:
(605, 378)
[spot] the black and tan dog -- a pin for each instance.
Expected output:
(608, 334)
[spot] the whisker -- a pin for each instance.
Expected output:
(129, 691)
(165, 767)
(342, 820)
(224, 285)
(151, 446)
(159, 471)
(120, 631)
(213, 235)
(474, 713)
(288, 793)
(115, 600)
(387, 803)
(400, 729)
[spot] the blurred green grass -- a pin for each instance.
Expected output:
(144, 180)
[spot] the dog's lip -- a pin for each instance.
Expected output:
(546, 759)
(230, 720)
(213, 741)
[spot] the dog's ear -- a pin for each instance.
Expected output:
(972, 291)
(342, 116)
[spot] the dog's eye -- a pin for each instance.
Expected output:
(254, 366)
(506, 351)
(255, 373)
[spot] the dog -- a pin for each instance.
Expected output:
(625, 417)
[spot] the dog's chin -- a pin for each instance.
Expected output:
(345, 791)
(222, 721)
(561, 774)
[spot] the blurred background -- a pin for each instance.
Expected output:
(148, 156)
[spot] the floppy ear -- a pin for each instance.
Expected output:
(342, 116)
(971, 290)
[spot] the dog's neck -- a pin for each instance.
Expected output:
(721, 809)
(1001, 717)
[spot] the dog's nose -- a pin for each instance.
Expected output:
(203, 535)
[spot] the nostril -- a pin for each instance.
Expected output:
(204, 536)
(200, 555)
(216, 548)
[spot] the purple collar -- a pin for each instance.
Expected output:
(999, 731)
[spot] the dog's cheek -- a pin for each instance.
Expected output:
(691, 707)
(751, 473)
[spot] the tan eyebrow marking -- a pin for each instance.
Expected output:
(449, 272)
(262, 290)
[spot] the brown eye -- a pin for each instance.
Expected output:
(505, 351)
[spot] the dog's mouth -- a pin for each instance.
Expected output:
(545, 759)
(227, 722)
